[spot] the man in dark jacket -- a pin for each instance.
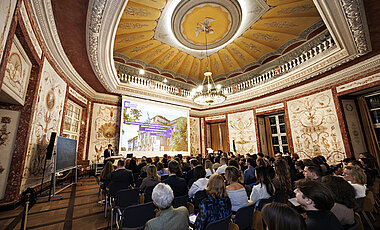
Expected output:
(177, 184)
(108, 152)
(121, 178)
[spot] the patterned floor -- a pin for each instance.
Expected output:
(78, 209)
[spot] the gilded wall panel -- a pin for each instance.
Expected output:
(315, 128)
(241, 129)
(46, 119)
(195, 136)
(104, 130)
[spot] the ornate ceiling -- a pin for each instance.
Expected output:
(166, 37)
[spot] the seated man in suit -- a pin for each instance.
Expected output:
(178, 184)
(168, 217)
(108, 152)
(121, 178)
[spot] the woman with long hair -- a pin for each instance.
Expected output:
(216, 206)
(280, 216)
(161, 170)
(200, 182)
(236, 192)
(151, 179)
(282, 181)
(357, 178)
(105, 175)
(264, 187)
(209, 168)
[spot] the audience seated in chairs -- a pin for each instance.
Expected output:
(105, 175)
(317, 199)
(312, 172)
(264, 188)
(236, 192)
(344, 197)
(357, 178)
(216, 206)
(177, 183)
(151, 179)
(282, 180)
(168, 217)
(209, 168)
(280, 216)
(121, 178)
(200, 182)
(161, 170)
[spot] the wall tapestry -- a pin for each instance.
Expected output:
(7, 8)
(8, 129)
(104, 130)
(17, 72)
(315, 128)
(46, 119)
(195, 136)
(241, 128)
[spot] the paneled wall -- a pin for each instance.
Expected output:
(195, 136)
(46, 119)
(315, 128)
(241, 129)
(104, 130)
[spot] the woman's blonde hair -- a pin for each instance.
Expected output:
(208, 165)
(216, 186)
(151, 172)
(357, 174)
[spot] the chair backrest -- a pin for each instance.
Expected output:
(221, 224)
(164, 177)
(354, 226)
(257, 221)
(148, 193)
(360, 202)
(359, 220)
(116, 187)
(262, 202)
(244, 215)
(233, 226)
(368, 204)
(127, 197)
(137, 215)
(199, 197)
(180, 201)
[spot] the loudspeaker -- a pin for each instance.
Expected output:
(233, 146)
(50, 147)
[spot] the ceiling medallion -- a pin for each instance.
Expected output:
(225, 15)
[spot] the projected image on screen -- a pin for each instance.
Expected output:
(152, 127)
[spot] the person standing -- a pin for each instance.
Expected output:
(108, 152)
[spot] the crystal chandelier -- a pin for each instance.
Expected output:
(208, 93)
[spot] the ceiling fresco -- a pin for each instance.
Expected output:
(166, 37)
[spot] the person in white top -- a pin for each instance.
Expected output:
(221, 170)
(264, 187)
(200, 181)
(209, 168)
(357, 178)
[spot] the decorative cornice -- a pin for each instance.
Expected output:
(358, 24)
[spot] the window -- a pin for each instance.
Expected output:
(71, 127)
(373, 103)
(277, 127)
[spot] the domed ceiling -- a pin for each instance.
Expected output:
(168, 38)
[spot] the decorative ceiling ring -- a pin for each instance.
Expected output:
(184, 14)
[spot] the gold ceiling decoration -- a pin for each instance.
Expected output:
(278, 27)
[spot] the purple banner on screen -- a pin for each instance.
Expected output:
(161, 134)
(154, 129)
(147, 124)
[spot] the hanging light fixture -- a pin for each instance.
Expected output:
(208, 93)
